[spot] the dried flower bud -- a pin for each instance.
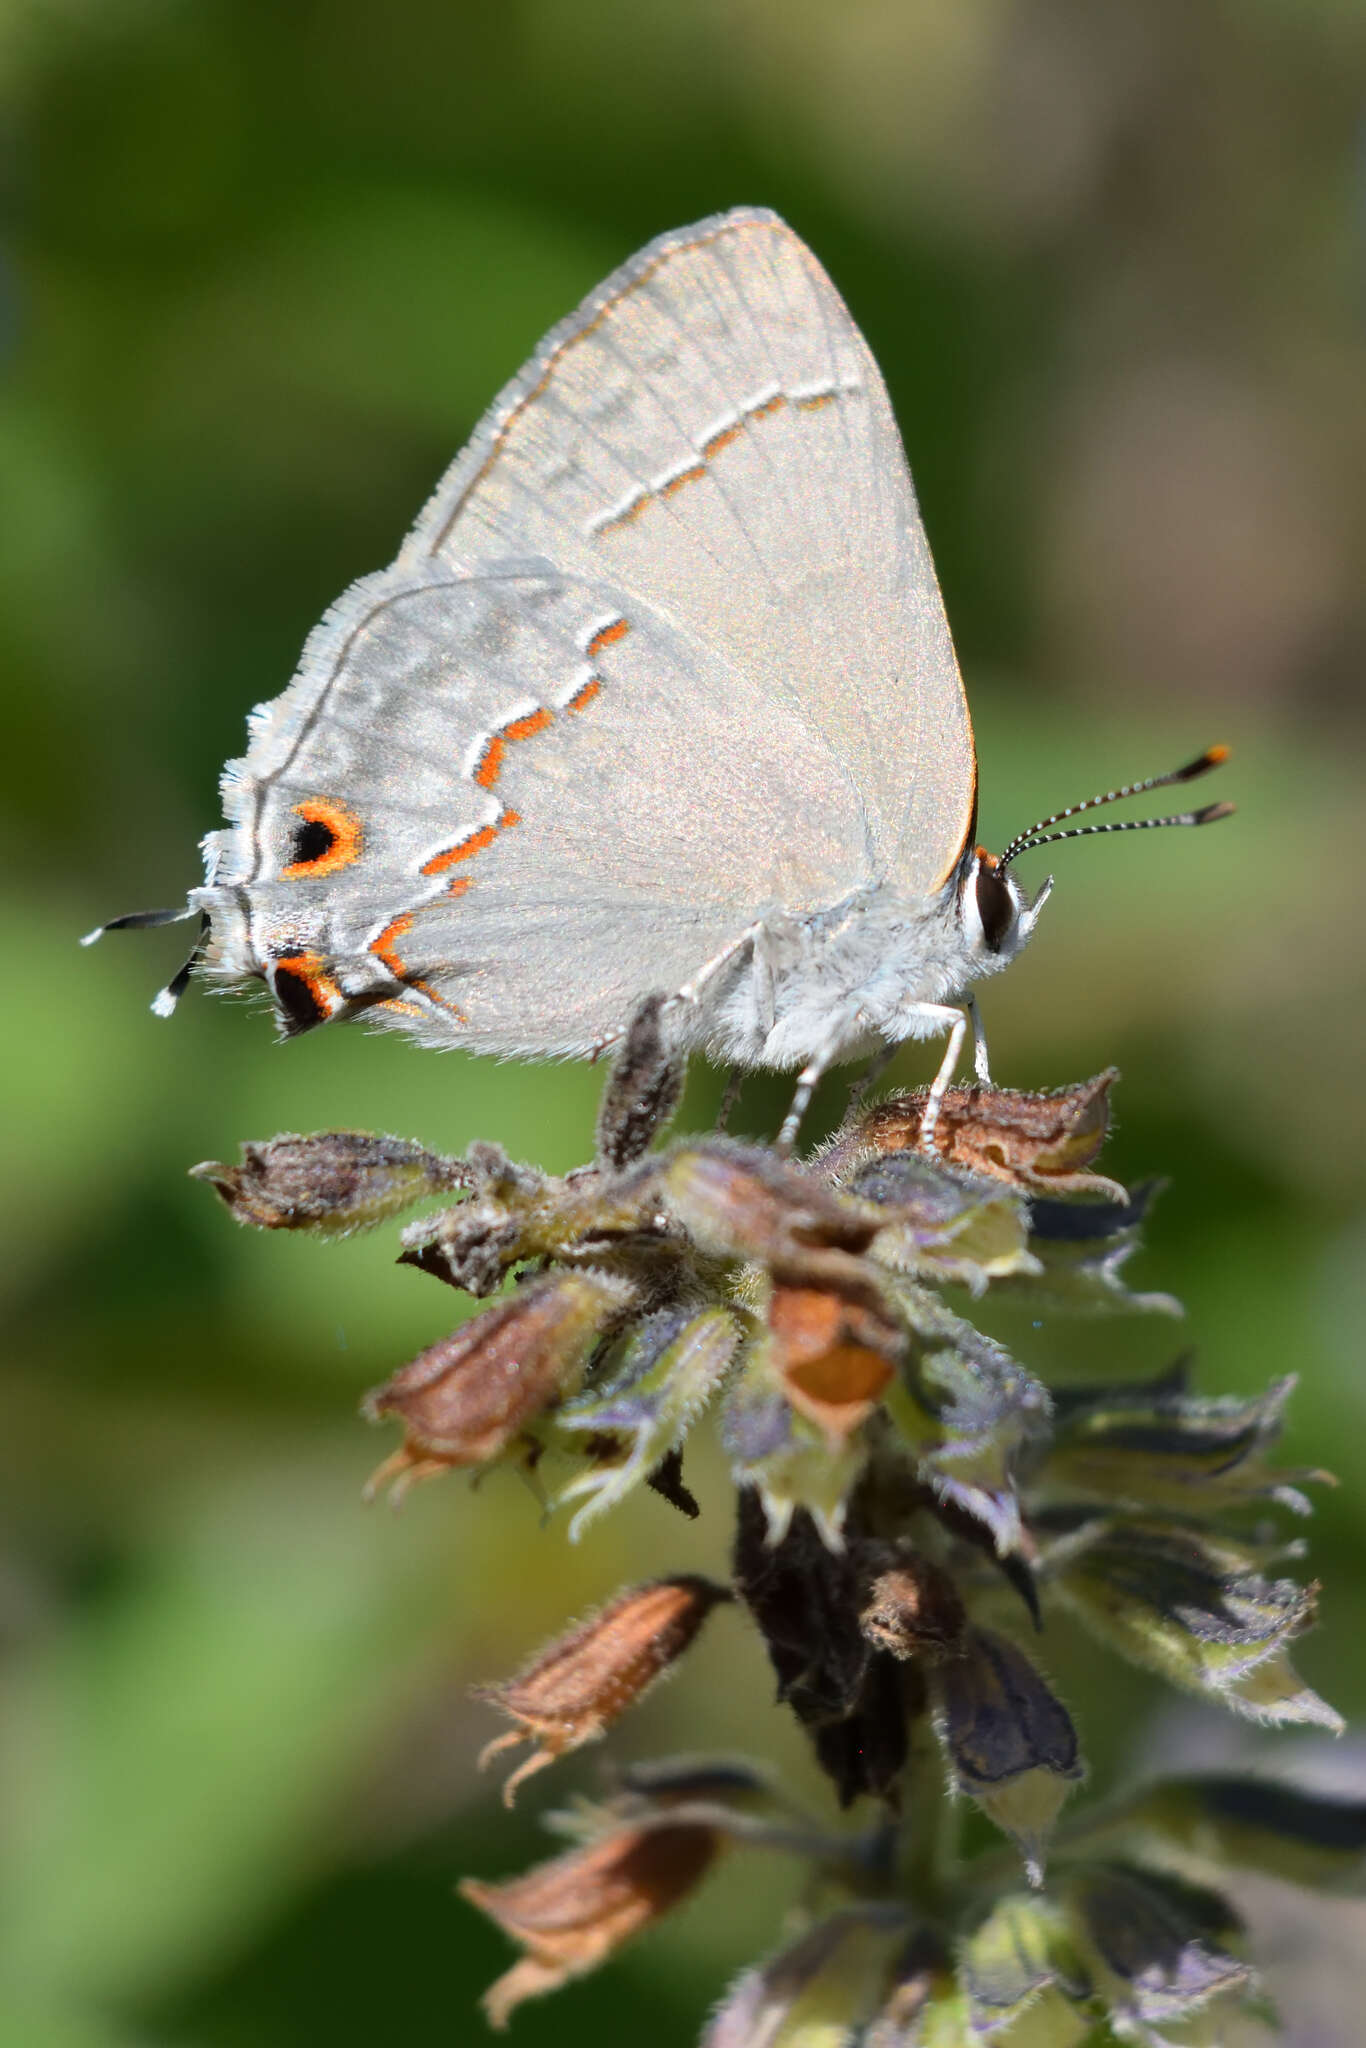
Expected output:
(1038, 1142)
(1009, 1740)
(803, 1597)
(463, 1401)
(573, 1691)
(740, 1202)
(333, 1182)
(911, 1607)
(643, 1087)
(514, 1213)
(570, 1914)
(832, 1350)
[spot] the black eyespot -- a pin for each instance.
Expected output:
(298, 1001)
(313, 840)
(995, 907)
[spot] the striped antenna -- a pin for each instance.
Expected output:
(1039, 835)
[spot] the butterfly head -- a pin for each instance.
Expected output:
(994, 913)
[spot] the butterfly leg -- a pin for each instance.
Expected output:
(801, 1102)
(730, 1095)
(871, 1075)
(837, 1038)
(691, 991)
(981, 1064)
(932, 1017)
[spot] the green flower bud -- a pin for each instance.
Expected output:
(1173, 1451)
(639, 1409)
(1021, 1961)
(1193, 1607)
(1158, 1950)
(818, 1992)
(1304, 1838)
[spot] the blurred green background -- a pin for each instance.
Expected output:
(264, 266)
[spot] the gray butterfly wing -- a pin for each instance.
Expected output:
(664, 652)
(498, 849)
(710, 432)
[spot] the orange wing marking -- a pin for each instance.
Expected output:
(490, 761)
(722, 439)
(625, 513)
(492, 754)
(403, 1008)
(464, 849)
(632, 509)
(693, 474)
(527, 728)
(385, 947)
(605, 637)
(488, 766)
(580, 335)
(305, 992)
(311, 968)
(330, 827)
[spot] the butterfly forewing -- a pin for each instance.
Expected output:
(712, 432)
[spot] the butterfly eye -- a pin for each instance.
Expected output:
(996, 907)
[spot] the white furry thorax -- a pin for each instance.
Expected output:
(843, 982)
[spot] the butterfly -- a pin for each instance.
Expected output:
(658, 695)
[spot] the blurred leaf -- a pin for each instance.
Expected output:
(187, 1741)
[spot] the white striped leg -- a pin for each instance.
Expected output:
(944, 1017)
(981, 1064)
(691, 991)
(801, 1102)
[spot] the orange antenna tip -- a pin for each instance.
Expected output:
(1213, 757)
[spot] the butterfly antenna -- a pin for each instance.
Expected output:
(1039, 834)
